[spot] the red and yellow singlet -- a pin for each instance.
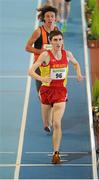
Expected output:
(56, 69)
(56, 91)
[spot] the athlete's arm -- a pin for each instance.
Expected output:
(44, 57)
(29, 46)
(76, 65)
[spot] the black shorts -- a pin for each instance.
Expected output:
(67, 0)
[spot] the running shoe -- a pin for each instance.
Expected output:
(47, 129)
(62, 26)
(59, 25)
(56, 158)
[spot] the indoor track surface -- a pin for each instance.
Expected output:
(25, 149)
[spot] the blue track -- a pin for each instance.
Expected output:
(17, 21)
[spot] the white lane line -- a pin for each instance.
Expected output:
(7, 152)
(13, 77)
(46, 165)
(24, 77)
(11, 91)
(75, 77)
(67, 152)
(94, 161)
(61, 155)
(22, 129)
(7, 165)
(24, 116)
(67, 164)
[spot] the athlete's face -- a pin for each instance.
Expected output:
(57, 42)
(49, 18)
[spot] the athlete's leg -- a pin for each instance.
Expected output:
(59, 6)
(46, 115)
(68, 7)
(49, 2)
(58, 111)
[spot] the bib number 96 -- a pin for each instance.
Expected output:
(58, 75)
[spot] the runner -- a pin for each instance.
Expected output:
(63, 7)
(53, 91)
(47, 15)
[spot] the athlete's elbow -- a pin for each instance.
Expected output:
(27, 48)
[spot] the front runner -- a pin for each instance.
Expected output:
(53, 91)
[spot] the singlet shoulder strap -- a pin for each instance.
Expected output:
(64, 52)
(44, 35)
(50, 54)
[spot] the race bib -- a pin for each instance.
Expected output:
(58, 73)
(47, 46)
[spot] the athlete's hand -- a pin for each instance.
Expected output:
(80, 77)
(46, 79)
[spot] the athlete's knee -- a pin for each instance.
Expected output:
(56, 124)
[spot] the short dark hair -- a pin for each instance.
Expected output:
(45, 9)
(55, 33)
